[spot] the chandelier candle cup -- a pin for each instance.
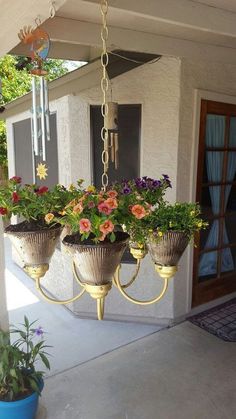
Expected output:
(34, 239)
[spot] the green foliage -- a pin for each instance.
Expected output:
(3, 144)
(18, 375)
(32, 202)
(138, 197)
(92, 213)
(184, 217)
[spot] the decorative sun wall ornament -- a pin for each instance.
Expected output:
(42, 171)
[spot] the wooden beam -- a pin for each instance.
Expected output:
(189, 14)
(87, 33)
(61, 50)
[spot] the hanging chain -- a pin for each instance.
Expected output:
(104, 88)
(52, 10)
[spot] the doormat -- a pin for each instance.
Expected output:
(220, 321)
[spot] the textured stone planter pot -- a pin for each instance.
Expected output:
(96, 263)
(168, 249)
(34, 247)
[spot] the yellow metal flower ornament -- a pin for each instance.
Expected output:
(42, 171)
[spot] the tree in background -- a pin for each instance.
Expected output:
(16, 82)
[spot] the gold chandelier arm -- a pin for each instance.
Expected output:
(52, 300)
(76, 274)
(142, 303)
(117, 276)
(100, 308)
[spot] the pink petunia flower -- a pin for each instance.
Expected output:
(111, 202)
(3, 211)
(104, 208)
(15, 197)
(78, 208)
(112, 194)
(42, 190)
(138, 211)
(16, 179)
(84, 225)
(107, 227)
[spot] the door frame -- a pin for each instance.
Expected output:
(200, 95)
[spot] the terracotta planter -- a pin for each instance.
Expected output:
(96, 263)
(168, 249)
(34, 247)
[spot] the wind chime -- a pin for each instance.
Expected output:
(39, 43)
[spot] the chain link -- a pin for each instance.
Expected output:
(104, 89)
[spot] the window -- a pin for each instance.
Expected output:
(215, 258)
(23, 152)
(129, 117)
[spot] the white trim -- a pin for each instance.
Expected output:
(200, 95)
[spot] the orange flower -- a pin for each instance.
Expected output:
(71, 203)
(84, 225)
(49, 217)
(104, 208)
(111, 202)
(78, 209)
(112, 194)
(106, 227)
(138, 211)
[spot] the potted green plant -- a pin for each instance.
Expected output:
(33, 238)
(21, 382)
(170, 229)
(138, 198)
(97, 242)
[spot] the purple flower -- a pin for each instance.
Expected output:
(126, 190)
(165, 177)
(39, 331)
(156, 183)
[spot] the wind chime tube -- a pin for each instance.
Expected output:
(42, 106)
(47, 111)
(33, 151)
(116, 141)
(35, 121)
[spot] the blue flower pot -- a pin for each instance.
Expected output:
(20, 409)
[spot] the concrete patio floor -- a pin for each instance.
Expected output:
(179, 373)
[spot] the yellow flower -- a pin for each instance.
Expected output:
(199, 224)
(49, 217)
(192, 213)
(140, 245)
(170, 224)
(160, 234)
(71, 188)
(62, 212)
(71, 203)
(91, 188)
(150, 230)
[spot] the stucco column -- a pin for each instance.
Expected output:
(3, 306)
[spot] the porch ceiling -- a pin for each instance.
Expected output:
(200, 29)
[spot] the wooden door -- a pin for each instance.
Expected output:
(214, 272)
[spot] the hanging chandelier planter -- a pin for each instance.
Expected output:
(35, 247)
(96, 263)
(168, 249)
(101, 223)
